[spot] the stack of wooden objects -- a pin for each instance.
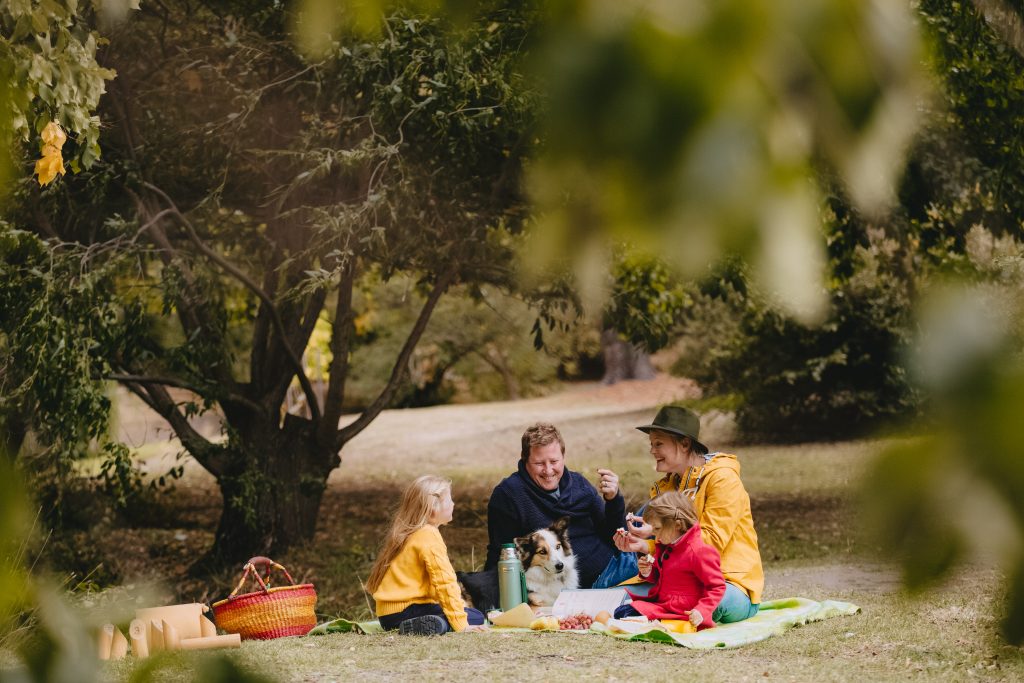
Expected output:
(155, 629)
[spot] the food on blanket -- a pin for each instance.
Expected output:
(632, 626)
(602, 617)
(679, 625)
(575, 622)
(545, 624)
(520, 616)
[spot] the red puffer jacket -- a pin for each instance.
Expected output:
(687, 575)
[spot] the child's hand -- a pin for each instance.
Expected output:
(638, 528)
(696, 618)
(475, 628)
(645, 564)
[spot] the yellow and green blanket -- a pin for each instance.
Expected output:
(774, 618)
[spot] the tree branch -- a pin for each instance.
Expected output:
(237, 273)
(261, 334)
(172, 382)
(207, 454)
(341, 345)
(401, 363)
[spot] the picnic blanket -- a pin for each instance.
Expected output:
(774, 617)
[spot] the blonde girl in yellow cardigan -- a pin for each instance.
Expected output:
(412, 581)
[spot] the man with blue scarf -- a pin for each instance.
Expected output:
(544, 490)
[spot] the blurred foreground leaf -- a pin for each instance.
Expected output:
(959, 493)
(694, 128)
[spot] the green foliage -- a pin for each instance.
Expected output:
(48, 50)
(57, 321)
(970, 361)
(663, 133)
(982, 84)
(645, 301)
(843, 378)
(476, 348)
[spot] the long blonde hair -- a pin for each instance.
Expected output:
(673, 506)
(419, 501)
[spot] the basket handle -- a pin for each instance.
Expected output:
(251, 568)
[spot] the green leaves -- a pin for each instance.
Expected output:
(664, 132)
(645, 304)
(52, 54)
(56, 321)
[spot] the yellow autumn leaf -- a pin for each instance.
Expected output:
(52, 163)
(54, 135)
(49, 166)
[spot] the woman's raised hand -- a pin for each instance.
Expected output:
(628, 543)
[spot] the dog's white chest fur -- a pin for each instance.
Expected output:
(550, 572)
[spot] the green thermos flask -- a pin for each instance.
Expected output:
(511, 579)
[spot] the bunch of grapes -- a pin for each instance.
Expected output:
(576, 622)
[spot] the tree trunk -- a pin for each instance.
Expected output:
(623, 360)
(272, 495)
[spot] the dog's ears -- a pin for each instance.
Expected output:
(522, 546)
(560, 525)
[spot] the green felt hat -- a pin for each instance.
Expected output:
(676, 420)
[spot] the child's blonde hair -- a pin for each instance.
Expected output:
(674, 506)
(421, 499)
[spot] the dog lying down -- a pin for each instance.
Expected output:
(549, 563)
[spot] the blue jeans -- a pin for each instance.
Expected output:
(626, 610)
(391, 621)
(735, 606)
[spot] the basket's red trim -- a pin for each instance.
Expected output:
(243, 606)
(291, 591)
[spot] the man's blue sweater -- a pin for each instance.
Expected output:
(518, 507)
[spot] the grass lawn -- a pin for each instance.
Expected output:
(949, 636)
(812, 548)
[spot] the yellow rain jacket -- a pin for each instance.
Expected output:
(723, 510)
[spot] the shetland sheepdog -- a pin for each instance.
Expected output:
(549, 564)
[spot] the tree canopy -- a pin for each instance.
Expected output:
(249, 188)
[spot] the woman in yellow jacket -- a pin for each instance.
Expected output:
(721, 501)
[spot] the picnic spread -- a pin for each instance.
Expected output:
(775, 617)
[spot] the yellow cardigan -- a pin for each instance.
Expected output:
(422, 574)
(723, 511)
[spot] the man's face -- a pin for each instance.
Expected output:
(545, 465)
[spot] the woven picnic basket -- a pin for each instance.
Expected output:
(268, 612)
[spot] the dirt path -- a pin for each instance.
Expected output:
(452, 436)
(468, 436)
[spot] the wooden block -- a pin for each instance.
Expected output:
(156, 637)
(184, 618)
(210, 642)
(139, 635)
(119, 645)
(105, 641)
(171, 638)
(207, 627)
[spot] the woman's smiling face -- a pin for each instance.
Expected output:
(669, 455)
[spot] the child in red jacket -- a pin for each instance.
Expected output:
(686, 572)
